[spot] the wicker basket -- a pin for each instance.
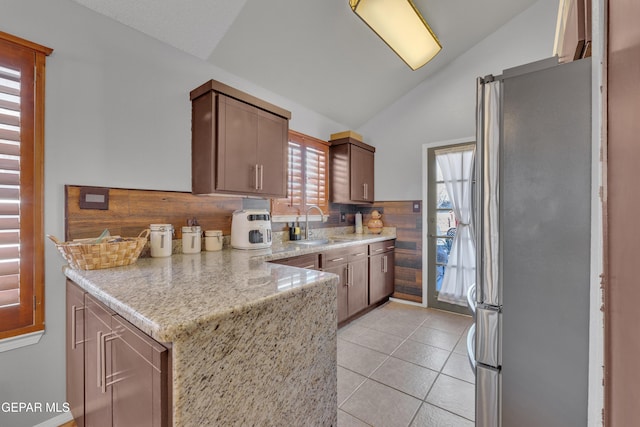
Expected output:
(94, 256)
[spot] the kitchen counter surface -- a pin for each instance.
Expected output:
(165, 297)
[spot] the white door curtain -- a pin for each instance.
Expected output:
(456, 165)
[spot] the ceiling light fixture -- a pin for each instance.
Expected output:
(401, 26)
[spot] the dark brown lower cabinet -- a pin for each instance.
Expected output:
(350, 264)
(381, 270)
(125, 371)
(366, 272)
(357, 284)
(75, 346)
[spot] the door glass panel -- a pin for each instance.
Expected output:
(441, 229)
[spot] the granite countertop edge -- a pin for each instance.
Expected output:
(168, 328)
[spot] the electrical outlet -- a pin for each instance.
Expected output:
(343, 217)
(416, 206)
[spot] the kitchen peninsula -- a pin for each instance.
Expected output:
(251, 342)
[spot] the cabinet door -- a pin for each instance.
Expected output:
(358, 284)
(362, 163)
(272, 154)
(138, 380)
(75, 351)
(98, 330)
(237, 162)
(390, 273)
(376, 278)
(381, 276)
(343, 290)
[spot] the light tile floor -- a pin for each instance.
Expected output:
(402, 365)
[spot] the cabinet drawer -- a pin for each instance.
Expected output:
(302, 261)
(380, 247)
(342, 256)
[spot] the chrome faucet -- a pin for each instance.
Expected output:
(306, 219)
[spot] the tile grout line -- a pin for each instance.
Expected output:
(423, 401)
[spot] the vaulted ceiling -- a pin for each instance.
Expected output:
(316, 53)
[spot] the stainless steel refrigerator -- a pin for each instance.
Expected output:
(532, 220)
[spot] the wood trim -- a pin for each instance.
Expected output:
(281, 206)
(38, 183)
(216, 86)
(349, 140)
(29, 315)
(302, 138)
(25, 43)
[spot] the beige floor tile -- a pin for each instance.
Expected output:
(393, 326)
(372, 316)
(348, 420)
(448, 322)
(405, 376)
(422, 354)
(454, 395)
(411, 317)
(348, 382)
(458, 367)
(432, 416)
(371, 338)
(359, 359)
(461, 347)
(435, 337)
(381, 406)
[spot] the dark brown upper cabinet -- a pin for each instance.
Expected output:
(238, 143)
(351, 171)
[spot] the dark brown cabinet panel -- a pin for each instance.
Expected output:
(98, 330)
(343, 290)
(381, 270)
(361, 174)
(75, 352)
(310, 261)
(351, 171)
(358, 284)
(239, 143)
(122, 378)
(350, 264)
(138, 378)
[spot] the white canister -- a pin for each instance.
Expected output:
(213, 240)
(359, 223)
(160, 240)
(191, 239)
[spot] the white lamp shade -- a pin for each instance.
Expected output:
(399, 24)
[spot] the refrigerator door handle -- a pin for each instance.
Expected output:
(471, 300)
(471, 347)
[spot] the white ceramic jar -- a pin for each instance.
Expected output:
(213, 240)
(160, 240)
(191, 239)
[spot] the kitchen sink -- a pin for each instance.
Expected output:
(314, 242)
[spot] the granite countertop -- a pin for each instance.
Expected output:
(166, 297)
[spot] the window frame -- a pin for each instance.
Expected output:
(431, 241)
(282, 207)
(27, 318)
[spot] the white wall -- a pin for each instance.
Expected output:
(117, 114)
(443, 107)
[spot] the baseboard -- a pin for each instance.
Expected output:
(56, 421)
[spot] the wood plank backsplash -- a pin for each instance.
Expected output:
(408, 253)
(131, 211)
